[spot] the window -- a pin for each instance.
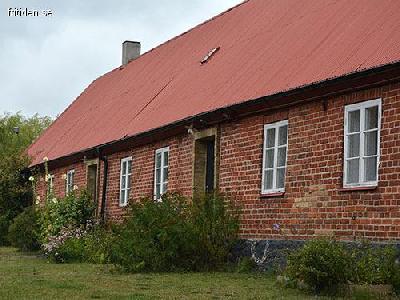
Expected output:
(125, 180)
(161, 172)
(70, 181)
(274, 157)
(362, 123)
(50, 184)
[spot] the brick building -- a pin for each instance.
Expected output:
(292, 108)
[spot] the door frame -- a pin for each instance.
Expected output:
(88, 164)
(198, 137)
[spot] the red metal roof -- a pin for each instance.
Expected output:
(265, 47)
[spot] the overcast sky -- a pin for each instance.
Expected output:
(47, 61)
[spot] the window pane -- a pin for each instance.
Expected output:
(158, 176)
(270, 137)
(123, 182)
(129, 166)
(370, 143)
(282, 138)
(122, 199)
(269, 158)
(281, 157)
(166, 154)
(280, 177)
(354, 121)
(123, 168)
(158, 160)
(129, 182)
(371, 117)
(268, 180)
(70, 178)
(158, 192)
(354, 145)
(370, 164)
(353, 171)
(165, 174)
(165, 187)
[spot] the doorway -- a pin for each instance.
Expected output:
(210, 166)
(92, 181)
(205, 163)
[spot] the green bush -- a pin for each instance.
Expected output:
(176, 234)
(373, 265)
(72, 250)
(98, 245)
(66, 246)
(15, 192)
(64, 224)
(156, 236)
(4, 225)
(23, 232)
(321, 264)
(246, 265)
(92, 245)
(15, 189)
(215, 222)
(76, 210)
(395, 278)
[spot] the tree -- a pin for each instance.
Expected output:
(16, 134)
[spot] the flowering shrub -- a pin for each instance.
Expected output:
(66, 246)
(92, 244)
(64, 223)
(72, 212)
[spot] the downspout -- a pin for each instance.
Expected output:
(104, 159)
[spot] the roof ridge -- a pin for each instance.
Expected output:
(187, 31)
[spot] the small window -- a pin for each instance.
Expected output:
(362, 123)
(125, 181)
(50, 184)
(70, 181)
(274, 157)
(161, 172)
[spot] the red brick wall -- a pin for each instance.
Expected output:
(59, 180)
(180, 172)
(314, 202)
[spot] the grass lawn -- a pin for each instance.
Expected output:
(25, 276)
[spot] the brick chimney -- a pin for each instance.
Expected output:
(130, 51)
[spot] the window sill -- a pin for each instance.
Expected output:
(358, 188)
(272, 195)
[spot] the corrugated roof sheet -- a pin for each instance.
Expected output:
(266, 47)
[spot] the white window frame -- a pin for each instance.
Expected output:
(50, 183)
(162, 176)
(69, 186)
(275, 125)
(128, 177)
(362, 106)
